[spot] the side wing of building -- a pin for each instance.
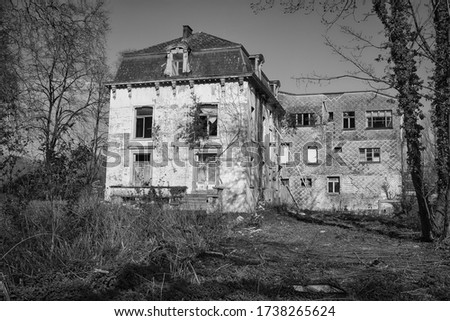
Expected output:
(343, 151)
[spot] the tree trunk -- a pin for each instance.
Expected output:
(424, 207)
(441, 114)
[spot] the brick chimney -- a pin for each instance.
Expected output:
(187, 31)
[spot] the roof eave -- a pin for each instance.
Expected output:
(184, 79)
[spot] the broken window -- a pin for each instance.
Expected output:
(348, 120)
(285, 182)
(208, 120)
(369, 155)
(333, 185)
(144, 122)
(313, 155)
(379, 119)
(142, 169)
(306, 182)
(330, 116)
(285, 153)
(177, 62)
(305, 120)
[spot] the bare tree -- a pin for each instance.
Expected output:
(13, 138)
(61, 46)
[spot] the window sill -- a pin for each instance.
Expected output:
(378, 128)
(348, 129)
(370, 162)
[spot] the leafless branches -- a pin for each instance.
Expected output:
(61, 45)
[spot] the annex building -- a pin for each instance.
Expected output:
(341, 151)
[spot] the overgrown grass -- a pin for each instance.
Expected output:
(46, 236)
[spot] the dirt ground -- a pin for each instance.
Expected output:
(275, 256)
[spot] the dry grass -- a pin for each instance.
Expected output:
(141, 252)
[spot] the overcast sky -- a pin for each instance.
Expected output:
(292, 44)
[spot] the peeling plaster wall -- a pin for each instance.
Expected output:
(173, 165)
(361, 184)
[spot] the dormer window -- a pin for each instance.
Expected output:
(177, 61)
(177, 64)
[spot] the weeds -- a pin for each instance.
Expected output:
(48, 236)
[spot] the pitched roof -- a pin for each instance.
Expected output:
(210, 56)
(312, 102)
(203, 64)
(196, 41)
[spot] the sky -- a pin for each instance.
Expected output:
(292, 44)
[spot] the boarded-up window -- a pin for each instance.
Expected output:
(313, 155)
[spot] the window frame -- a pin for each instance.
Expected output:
(135, 161)
(330, 116)
(300, 119)
(285, 182)
(349, 119)
(388, 119)
(288, 156)
(308, 148)
(207, 116)
(308, 181)
(143, 117)
(365, 151)
(177, 63)
(333, 180)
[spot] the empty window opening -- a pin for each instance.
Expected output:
(177, 64)
(306, 182)
(142, 173)
(333, 185)
(349, 120)
(379, 119)
(144, 122)
(208, 120)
